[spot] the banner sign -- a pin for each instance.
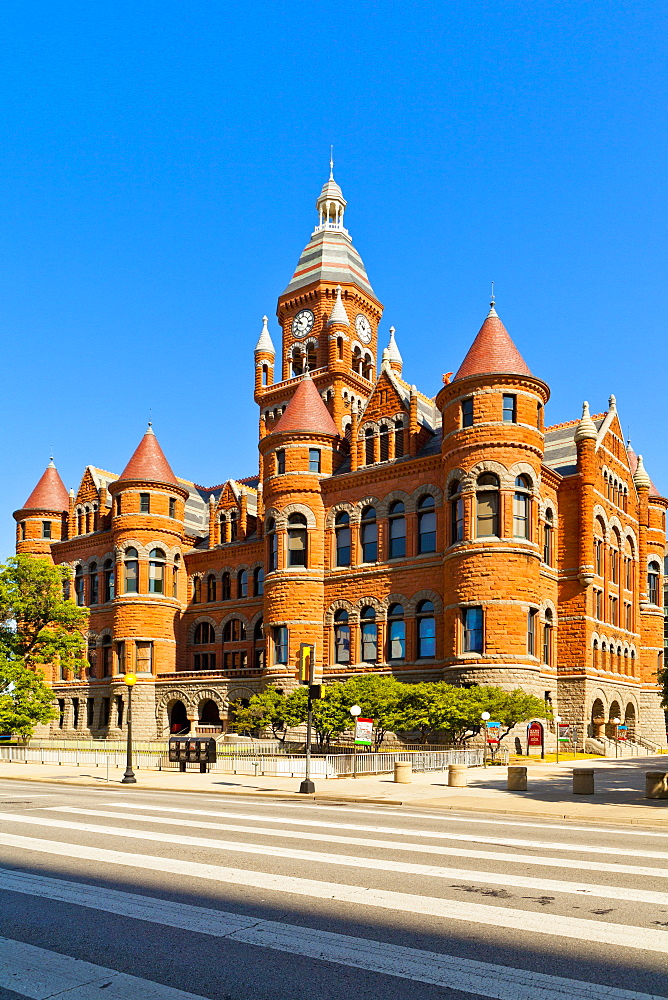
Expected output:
(622, 732)
(565, 735)
(493, 732)
(535, 735)
(363, 731)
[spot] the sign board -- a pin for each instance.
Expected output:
(363, 731)
(535, 735)
(622, 732)
(493, 732)
(565, 735)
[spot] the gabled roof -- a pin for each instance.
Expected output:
(306, 412)
(149, 463)
(49, 493)
(492, 352)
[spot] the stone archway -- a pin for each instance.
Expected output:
(597, 718)
(179, 723)
(614, 713)
(630, 720)
(209, 714)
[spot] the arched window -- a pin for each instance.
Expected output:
(595, 655)
(426, 630)
(342, 533)
(548, 538)
(258, 581)
(384, 443)
(225, 587)
(367, 367)
(175, 575)
(614, 555)
(397, 533)
(398, 438)
(211, 588)
(242, 583)
(131, 571)
(522, 508)
(197, 590)
(341, 637)
(456, 512)
(396, 632)
(426, 525)
(369, 635)
(369, 456)
(91, 656)
(79, 586)
(297, 360)
(109, 580)
(92, 584)
(265, 374)
(311, 356)
(297, 540)
(234, 631)
(204, 634)
(156, 572)
(272, 545)
(653, 573)
(106, 655)
(547, 637)
(531, 631)
(487, 505)
(339, 348)
(357, 361)
(233, 526)
(369, 535)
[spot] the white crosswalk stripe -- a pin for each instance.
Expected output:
(484, 979)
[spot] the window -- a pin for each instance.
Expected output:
(90, 712)
(369, 635)
(614, 611)
(467, 412)
(396, 632)
(628, 620)
(539, 417)
(426, 630)
(91, 656)
(384, 443)
(548, 538)
(280, 636)
(456, 512)
(22, 530)
(120, 657)
(106, 655)
(172, 507)
(487, 506)
(473, 630)
(204, 634)
(398, 438)
(61, 713)
(272, 545)
(242, 583)
(653, 572)
(75, 713)
(131, 571)
(175, 577)
(509, 409)
(211, 588)
(614, 556)
(119, 711)
(369, 448)
(397, 539)
(204, 661)
(197, 590)
(342, 534)
(143, 657)
(258, 581)
(156, 571)
(297, 540)
(225, 587)
(46, 529)
(104, 712)
(314, 460)
(79, 586)
(629, 573)
(598, 599)
(426, 525)
(522, 508)
(234, 631)
(233, 526)
(341, 637)
(93, 593)
(369, 535)
(144, 503)
(547, 637)
(109, 580)
(280, 461)
(531, 632)
(119, 505)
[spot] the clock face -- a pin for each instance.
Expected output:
(303, 323)
(363, 327)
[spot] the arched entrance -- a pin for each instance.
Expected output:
(209, 714)
(630, 720)
(179, 723)
(615, 713)
(597, 718)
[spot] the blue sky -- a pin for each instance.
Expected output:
(159, 164)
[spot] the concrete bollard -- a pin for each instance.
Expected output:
(517, 779)
(457, 775)
(583, 781)
(656, 785)
(403, 770)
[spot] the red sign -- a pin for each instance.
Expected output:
(535, 735)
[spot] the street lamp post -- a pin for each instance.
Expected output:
(485, 718)
(129, 776)
(557, 720)
(616, 723)
(355, 711)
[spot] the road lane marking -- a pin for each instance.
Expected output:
(501, 918)
(495, 981)
(329, 838)
(40, 974)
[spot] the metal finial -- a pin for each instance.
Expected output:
(493, 296)
(331, 163)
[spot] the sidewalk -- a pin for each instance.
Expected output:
(619, 797)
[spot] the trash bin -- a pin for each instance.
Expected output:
(403, 770)
(656, 785)
(583, 781)
(457, 775)
(517, 779)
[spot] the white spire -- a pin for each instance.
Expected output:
(586, 429)
(338, 314)
(640, 477)
(265, 343)
(331, 206)
(393, 352)
(51, 464)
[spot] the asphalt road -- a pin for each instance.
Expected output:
(128, 895)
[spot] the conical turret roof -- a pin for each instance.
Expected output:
(492, 352)
(149, 463)
(50, 493)
(306, 412)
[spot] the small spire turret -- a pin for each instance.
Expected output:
(586, 429)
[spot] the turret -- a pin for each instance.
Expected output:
(585, 442)
(265, 355)
(392, 354)
(43, 518)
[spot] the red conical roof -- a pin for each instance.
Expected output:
(149, 463)
(492, 352)
(50, 493)
(306, 412)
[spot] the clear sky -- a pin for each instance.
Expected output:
(159, 165)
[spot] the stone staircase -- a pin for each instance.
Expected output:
(623, 748)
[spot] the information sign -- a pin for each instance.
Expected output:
(622, 732)
(493, 732)
(565, 735)
(535, 734)
(363, 732)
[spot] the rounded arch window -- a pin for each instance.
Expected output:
(653, 574)
(548, 538)
(397, 532)
(211, 588)
(175, 575)
(297, 360)
(369, 448)
(93, 584)
(615, 544)
(258, 630)
(258, 581)
(204, 634)
(384, 442)
(341, 637)
(106, 655)
(197, 590)
(109, 580)
(272, 545)
(396, 632)
(297, 540)
(79, 586)
(456, 512)
(234, 630)
(357, 361)
(426, 630)
(156, 571)
(487, 505)
(342, 536)
(369, 535)
(522, 507)
(548, 625)
(242, 583)
(426, 524)
(131, 571)
(225, 587)
(369, 635)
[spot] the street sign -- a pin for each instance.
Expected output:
(363, 732)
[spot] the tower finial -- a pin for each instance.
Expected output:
(331, 163)
(493, 297)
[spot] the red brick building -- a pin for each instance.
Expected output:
(450, 536)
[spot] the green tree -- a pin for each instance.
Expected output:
(331, 714)
(510, 707)
(270, 709)
(379, 698)
(25, 700)
(431, 708)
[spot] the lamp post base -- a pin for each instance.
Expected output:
(307, 787)
(129, 778)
